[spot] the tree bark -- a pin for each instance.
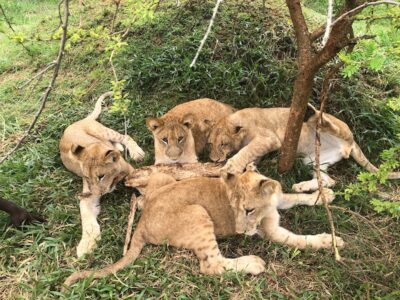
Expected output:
(309, 63)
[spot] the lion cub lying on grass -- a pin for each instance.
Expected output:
(255, 132)
(92, 151)
(192, 213)
(181, 134)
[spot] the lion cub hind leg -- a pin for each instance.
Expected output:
(197, 234)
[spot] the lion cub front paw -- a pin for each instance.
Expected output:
(250, 264)
(135, 151)
(232, 167)
(325, 240)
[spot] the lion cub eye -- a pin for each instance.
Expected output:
(100, 177)
(249, 211)
(180, 139)
(165, 140)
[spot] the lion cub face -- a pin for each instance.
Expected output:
(102, 167)
(224, 140)
(252, 196)
(173, 140)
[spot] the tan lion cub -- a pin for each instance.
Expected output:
(192, 213)
(254, 132)
(92, 151)
(181, 134)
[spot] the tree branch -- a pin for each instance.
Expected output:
(328, 23)
(50, 87)
(300, 27)
(361, 7)
(215, 10)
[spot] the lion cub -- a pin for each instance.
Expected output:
(92, 151)
(192, 213)
(181, 134)
(254, 132)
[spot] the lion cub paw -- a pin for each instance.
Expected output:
(135, 151)
(325, 241)
(250, 264)
(327, 193)
(232, 167)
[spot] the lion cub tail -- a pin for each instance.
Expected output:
(137, 244)
(97, 108)
(363, 161)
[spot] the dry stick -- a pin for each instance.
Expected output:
(131, 217)
(51, 84)
(215, 10)
(323, 97)
(328, 23)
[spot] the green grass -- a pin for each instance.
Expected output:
(253, 64)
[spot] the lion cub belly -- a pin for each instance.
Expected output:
(333, 149)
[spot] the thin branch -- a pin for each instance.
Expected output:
(39, 74)
(215, 10)
(50, 87)
(131, 217)
(323, 97)
(328, 23)
(359, 216)
(8, 22)
(361, 7)
(117, 6)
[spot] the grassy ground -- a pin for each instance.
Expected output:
(249, 60)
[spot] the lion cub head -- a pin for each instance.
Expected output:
(102, 167)
(173, 140)
(251, 196)
(225, 139)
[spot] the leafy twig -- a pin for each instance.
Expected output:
(117, 6)
(50, 87)
(207, 33)
(13, 30)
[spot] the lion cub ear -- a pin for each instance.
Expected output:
(111, 156)
(188, 121)
(77, 150)
(153, 123)
(269, 186)
(229, 178)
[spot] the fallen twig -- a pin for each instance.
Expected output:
(131, 217)
(357, 215)
(50, 87)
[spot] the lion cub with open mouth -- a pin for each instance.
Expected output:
(92, 151)
(193, 213)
